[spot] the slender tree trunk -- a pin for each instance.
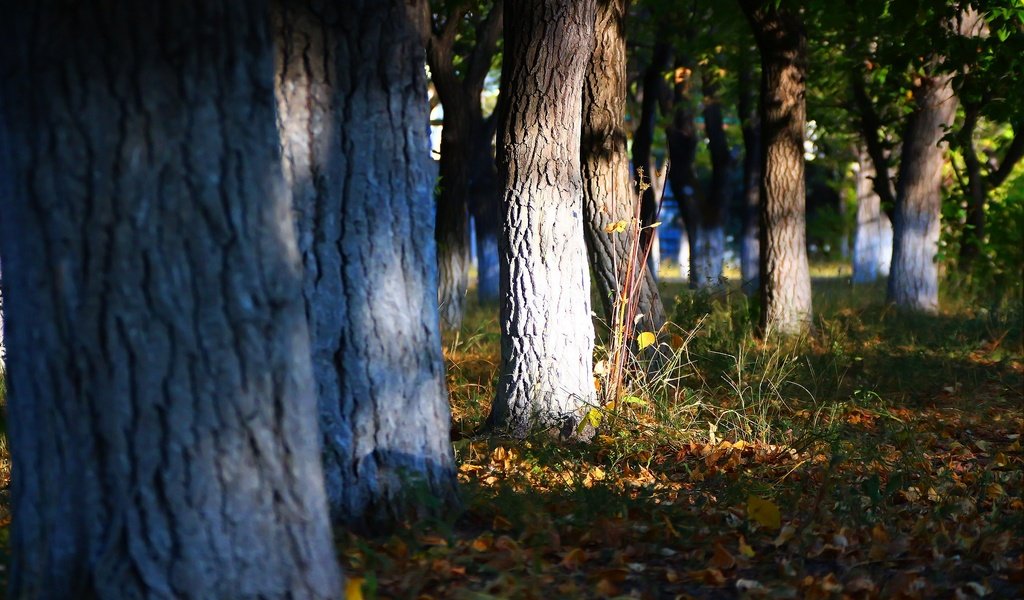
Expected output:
(972, 235)
(485, 192)
(785, 275)
(452, 220)
(161, 409)
(872, 245)
(643, 137)
(353, 121)
(750, 244)
(547, 338)
(608, 194)
(681, 137)
(914, 280)
(720, 190)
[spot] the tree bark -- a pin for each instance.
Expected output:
(547, 338)
(785, 275)
(914, 278)
(484, 194)
(973, 234)
(608, 194)
(161, 408)
(750, 244)
(353, 121)
(872, 245)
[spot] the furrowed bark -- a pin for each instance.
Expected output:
(546, 377)
(785, 275)
(161, 409)
(608, 194)
(353, 122)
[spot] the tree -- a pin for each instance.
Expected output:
(546, 376)
(608, 195)
(161, 408)
(353, 120)
(712, 216)
(785, 273)
(643, 138)
(459, 79)
(872, 245)
(750, 244)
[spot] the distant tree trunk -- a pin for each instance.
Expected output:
(750, 244)
(720, 190)
(643, 137)
(354, 133)
(161, 408)
(460, 96)
(872, 245)
(547, 337)
(914, 278)
(681, 138)
(972, 235)
(485, 192)
(785, 275)
(607, 186)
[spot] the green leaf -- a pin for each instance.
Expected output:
(634, 400)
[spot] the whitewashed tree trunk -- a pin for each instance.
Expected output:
(547, 338)
(872, 245)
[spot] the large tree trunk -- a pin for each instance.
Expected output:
(547, 338)
(750, 243)
(785, 275)
(720, 190)
(353, 114)
(914, 278)
(608, 194)
(161, 409)
(872, 245)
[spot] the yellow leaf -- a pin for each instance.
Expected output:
(746, 549)
(645, 339)
(616, 227)
(354, 588)
(764, 512)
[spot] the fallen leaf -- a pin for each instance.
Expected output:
(763, 512)
(354, 588)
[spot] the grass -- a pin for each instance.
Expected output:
(879, 456)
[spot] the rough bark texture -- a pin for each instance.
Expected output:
(162, 412)
(914, 278)
(750, 243)
(872, 242)
(547, 337)
(608, 194)
(353, 121)
(785, 276)
(463, 120)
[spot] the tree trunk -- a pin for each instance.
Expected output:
(608, 194)
(681, 139)
(547, 338)
(750, 244)
(785, 275)
(353, 115)
(872, 245)
(914, 280)
(161, 409)
(720, 190)
(643, 137)
(484, 194)
(973, 234)
(452, 221)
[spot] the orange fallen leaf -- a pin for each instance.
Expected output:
(721, 559)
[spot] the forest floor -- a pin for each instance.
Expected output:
(879, 457)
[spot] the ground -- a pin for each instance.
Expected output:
(879, 457)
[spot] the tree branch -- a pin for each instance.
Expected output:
(488, 32)
(1014, 152)
(870, 124)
